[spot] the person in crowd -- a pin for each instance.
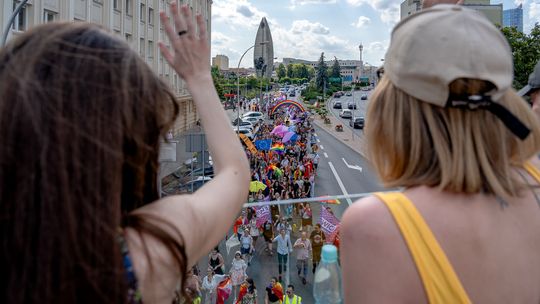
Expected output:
(238, 271)
(193, 286)
(210, 284)
(532, 89)
(216, 261)
(268, 235)
(307, 217)
(254, 230)
(274, 292)
(247, 293)
(246, 245)
(283, 224)
(303, 252)
(96, 114)
(284, 247)
(317, 243)
(447, 128)
(290, 297)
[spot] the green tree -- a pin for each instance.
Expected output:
(336, 69)
(290, 72)
(302, 71)
(321, 77)
(525, 51)
(218, 81)
(281, 72)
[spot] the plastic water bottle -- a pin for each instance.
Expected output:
(327, 282)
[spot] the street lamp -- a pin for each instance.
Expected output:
(11, 20)
(238, 87)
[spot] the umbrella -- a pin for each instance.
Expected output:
(278, 172)
(280, 130)
(288, 136)
(292, 128)
(255, 186)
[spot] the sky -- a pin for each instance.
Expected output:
(303, 29)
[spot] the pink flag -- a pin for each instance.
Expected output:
(329, 224)
(263, 215)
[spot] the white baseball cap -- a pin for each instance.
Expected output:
(434, 47)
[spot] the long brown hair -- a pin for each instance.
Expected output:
(81, 117)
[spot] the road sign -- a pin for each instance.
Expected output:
(196, 142)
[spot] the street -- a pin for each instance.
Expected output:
(341, 170)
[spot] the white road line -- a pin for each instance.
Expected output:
(315, 134)
(340, 183)
(322, 147)
(318, 140)
(325, 155)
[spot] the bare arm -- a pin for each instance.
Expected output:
(217, 202)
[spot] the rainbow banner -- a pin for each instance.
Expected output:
(278, 147)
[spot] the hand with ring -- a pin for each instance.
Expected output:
(189, 51)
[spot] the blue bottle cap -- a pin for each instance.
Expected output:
(329, 253)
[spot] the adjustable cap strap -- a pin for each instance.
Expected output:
(475, 102)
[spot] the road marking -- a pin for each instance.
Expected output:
(351, 166)
(318, 140)
(315, 134)
(340, 183)
(325, 155)
(322, 147)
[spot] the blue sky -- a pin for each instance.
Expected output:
(305, 28)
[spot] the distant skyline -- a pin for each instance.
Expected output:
(304, 28)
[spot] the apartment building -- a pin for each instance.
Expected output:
(494, 12)
(136, 21)
(221, 61)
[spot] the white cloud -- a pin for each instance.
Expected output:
(361, 22)
(388, 9)
(304, 26)
(304, 2)
(534, 12)
(237, 13)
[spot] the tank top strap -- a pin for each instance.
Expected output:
(532, 170)
(440, 281)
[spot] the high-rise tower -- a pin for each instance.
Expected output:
(263, 54)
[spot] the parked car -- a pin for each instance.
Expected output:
(257, 115)
(244, 123)
(348, 93)
(245, 131)
(196, 184)
(252, 120)
(338, 94)
(364, 97)
(195, 174)
(346, 113)
(351, 105)
(292, 94)
(337, 105)
(357, 122)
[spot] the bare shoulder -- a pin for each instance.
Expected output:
(377, 266)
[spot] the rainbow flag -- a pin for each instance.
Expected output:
(279, 148)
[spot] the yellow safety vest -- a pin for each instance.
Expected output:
(295, 300)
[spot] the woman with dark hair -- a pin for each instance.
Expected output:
(81, 121)
(248, 293)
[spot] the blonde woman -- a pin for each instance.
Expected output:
(445, 124)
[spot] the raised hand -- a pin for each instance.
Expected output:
(189, 54)
(430, 3)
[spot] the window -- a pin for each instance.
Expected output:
(143, 12)
(150, 50)
(141, 47)
(116, 4)
(49, 16)
(19, 24)
(150, 16)
(129, 7)
(128, 38)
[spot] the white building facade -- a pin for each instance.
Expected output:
(136, 21)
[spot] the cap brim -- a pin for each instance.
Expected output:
(524, 91)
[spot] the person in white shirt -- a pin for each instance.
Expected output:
(303, 247)
(284, 247)
(210, 284)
